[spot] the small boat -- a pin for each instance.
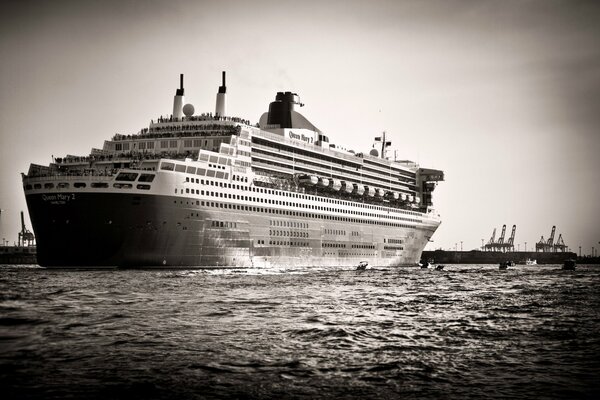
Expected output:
(362, 265)
(439, 267)
(569, 265)
(528, 262)
(506, 264)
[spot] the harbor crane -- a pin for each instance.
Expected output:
(560, 244)
(548, 245)
(511, 240)
(26, 237)
(500, 245)
(492, 239)
(501, 238)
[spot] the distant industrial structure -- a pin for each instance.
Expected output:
(26, 237)
(546, 246)
(549, 245)
(500, 245)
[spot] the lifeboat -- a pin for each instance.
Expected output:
(417, 200)
(369, 191)
(324, 182)
(308, 179)
(379, 192)
(348, 187)
(403, 197)
(411, 198)
(335, 184)
(359, 189)
(392, 195)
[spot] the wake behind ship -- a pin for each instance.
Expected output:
(212, 190)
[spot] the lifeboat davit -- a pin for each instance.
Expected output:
(359, 189)
(324, 182)
(336, 184)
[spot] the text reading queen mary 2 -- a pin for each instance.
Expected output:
(212, 190)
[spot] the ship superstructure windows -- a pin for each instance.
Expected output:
(127, 176)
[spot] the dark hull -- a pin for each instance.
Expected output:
(127, 230)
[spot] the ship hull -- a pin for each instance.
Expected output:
(135, 230)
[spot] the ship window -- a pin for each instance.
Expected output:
(146, 178)
(167, 166)
(37, 186)
(28, 187)
(210, 173)
(191, 170)
(172, 143)
(180, 168)
(143, 187)
(201, 171)
(63, 185)
(79, 185)
(99, 185)
(126, 176)
(123, 185)
(49, 186)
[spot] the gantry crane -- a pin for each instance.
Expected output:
(547, 245)
(499, 245)
(560, 244)
(511, 240)
(26, 238)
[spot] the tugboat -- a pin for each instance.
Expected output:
(363, 265)
(506, 264)
(569, 265)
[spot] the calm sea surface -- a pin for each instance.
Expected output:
(469, 331)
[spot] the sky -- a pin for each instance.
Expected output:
(503, 96)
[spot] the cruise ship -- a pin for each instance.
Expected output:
(212, 190)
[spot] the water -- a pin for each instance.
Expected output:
(466, 332)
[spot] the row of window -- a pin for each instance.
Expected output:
(334, 245)
(288, 224)
(334, 232)
(200, 171)
(223, 224)
(299, 164)
(397, 241)
(286, 243)
(363, 246)
(393, 248)
(280, 202)
(83, 185)
(287, 233)
(141, 186)
(326, 217)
